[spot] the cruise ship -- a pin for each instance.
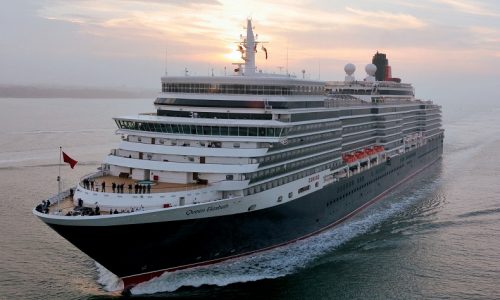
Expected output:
(236, 164)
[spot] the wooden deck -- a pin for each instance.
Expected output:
(66, 205)
(156, 187)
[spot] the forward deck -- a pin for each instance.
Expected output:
(66, 205)
(131, 194)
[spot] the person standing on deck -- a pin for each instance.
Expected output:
(103, 186)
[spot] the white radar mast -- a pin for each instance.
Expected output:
(250, 47)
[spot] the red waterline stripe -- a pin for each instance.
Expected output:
(132, 280)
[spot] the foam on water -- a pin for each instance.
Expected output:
(284, 260)
(108, 280)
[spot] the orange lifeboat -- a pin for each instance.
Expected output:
(349, 158)
(370, 151)
(360, 154)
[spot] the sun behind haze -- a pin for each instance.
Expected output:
(449, 49)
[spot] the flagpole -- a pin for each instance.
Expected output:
(59, 176)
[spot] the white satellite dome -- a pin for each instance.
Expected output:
(349, 69)
(371, 69)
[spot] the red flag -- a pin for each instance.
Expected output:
(69, 160)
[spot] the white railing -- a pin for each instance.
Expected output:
(94, 175)
(59, 197)
(56, 199)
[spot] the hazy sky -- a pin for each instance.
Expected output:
(450, 49)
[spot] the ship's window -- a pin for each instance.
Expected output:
(224, 130)
(243, 131)
(233, 131)
(290, 195)
(236, 145)
(216, 130)
(252, 131)
(304, 188)
(206, 130)
(280, 198)
(229, 177)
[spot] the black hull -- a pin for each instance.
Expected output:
(142, 250)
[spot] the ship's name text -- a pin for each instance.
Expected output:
(204, 210)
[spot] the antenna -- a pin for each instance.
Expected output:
(166, 61)
(287, 58)
(319, 69)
